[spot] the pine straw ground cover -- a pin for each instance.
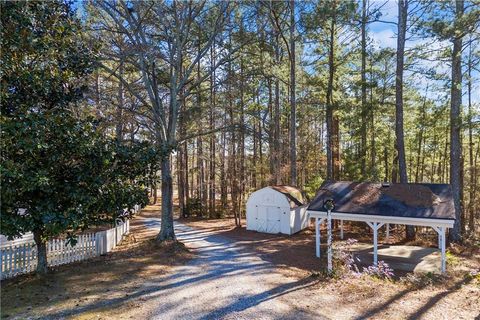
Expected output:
(346, 295)
(107, 287)
(95, 283)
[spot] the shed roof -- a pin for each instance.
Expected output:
(293, 194)
(412, 200)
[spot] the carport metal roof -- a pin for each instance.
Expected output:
(379, 204)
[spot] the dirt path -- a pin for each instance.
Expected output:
(228, 279)
(227, 274)
(222, 282)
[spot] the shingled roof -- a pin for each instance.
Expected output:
(413, 200)
(293, 194)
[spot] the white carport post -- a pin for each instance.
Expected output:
(375, 226)
(317, 238)
(441, 245)
(341, 229)
(329, 242)
(318, 222)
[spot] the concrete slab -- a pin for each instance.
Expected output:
(399, 257)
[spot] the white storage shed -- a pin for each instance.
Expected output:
(277, 209)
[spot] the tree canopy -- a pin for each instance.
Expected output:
(60, 173)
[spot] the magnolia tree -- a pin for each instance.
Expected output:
(59, 176)
(59, 173)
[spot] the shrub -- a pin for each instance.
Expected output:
(348, 262)
(193, 207)
(382, 270)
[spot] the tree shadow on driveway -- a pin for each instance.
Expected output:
(246, 302)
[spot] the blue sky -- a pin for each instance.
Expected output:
(384, 35)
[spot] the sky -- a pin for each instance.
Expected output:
(384, 35)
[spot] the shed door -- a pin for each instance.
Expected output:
(268, 219)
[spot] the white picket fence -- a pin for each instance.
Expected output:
(22, 258)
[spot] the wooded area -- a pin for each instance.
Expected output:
(234, 96)
(243, 95)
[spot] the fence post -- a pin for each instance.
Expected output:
(10, 256)
(24, 256)
(97, 243)
(29, 257)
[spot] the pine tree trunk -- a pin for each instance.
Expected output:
(185, 172)
(373, 154)
(271, 133)
(476, 208)
(385, 162)
(472, 168)
(242, 179)
(293, 107)
(402, 166)
(402, 27)
(232, 161)
(201, 188)
(192, 177)
(223, 180)
(364, 110)
(455, 128)
(253, 169)
(180, 182)
(212, 136)
(260, 149)
(329, 107)
(202, 192)
(336, 147)
(276, 139)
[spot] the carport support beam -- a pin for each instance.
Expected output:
(341, 229)
(441, 245)
(317, 238)
(375, 226)
(329, 242)
(318, 222)
(444, 263)
(444, 258)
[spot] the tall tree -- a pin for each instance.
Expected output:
(59, 172)
(363, 144)
(166, 67)
(456, 125)
(471, 163)
(293, 106)
(399, 127)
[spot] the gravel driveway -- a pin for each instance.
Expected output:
(225, 281)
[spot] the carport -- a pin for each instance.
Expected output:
(379, 204)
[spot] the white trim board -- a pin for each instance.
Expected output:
(426, 222)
